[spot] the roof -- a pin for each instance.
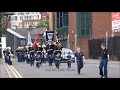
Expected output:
(33, 32)
(15, 33)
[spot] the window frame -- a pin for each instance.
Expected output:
(84, 21)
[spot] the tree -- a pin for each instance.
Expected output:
(43, 24)
(4, 21)
(1, 29)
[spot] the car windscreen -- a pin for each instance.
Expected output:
(65, 51)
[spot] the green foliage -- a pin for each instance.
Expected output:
(1, 29)
(43, 24)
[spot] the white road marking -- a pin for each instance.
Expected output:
(7, 70)
(16, 72)
(12, 71)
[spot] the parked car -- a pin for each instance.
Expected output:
(65, 53)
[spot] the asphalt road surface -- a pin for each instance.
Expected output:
(90, 70)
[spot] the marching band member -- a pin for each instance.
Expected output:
(69, 60)
(58, 49)
(32, 54)
(44, 53)
(26, 54)
(18, 53)
(4, 52)
(58, 59)
(9, 53)
(38, 59)
(39, 50)
(23, 53)
(50, 50)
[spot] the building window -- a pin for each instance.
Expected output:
(19, 23)
(65, 18)
(58, 25)
(38, 17)
(29, 23)
(30, 17)
(33, 17)
(15, 17)
(20, 18)
(61, 14)
(83, 23)
(43, 17)
(24, 17)
(61, 21)
(20, 13)
(27, 17)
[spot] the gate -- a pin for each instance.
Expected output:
(113, 47)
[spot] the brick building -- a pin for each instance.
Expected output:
(44, 16)
(27, 19)
(84, 25)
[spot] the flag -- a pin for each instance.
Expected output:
(37, 40)
(29, 38)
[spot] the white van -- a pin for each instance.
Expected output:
(65, 53)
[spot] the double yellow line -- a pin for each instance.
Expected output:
(12, 72)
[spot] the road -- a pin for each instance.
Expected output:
(90, 70)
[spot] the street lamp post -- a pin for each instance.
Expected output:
(107, 39)
(72, 42)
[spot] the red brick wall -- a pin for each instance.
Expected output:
(51, 26)
(72, 27)
(101, 22)
(44, 14)
(83, 43)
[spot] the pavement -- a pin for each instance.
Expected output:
(90, 70)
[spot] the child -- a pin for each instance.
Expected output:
(58, 59)
(38, 60)
(69, 60)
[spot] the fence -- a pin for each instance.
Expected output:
(113, 47)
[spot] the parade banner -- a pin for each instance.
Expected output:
(49, 36)
(116, 21)
(37, 40)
